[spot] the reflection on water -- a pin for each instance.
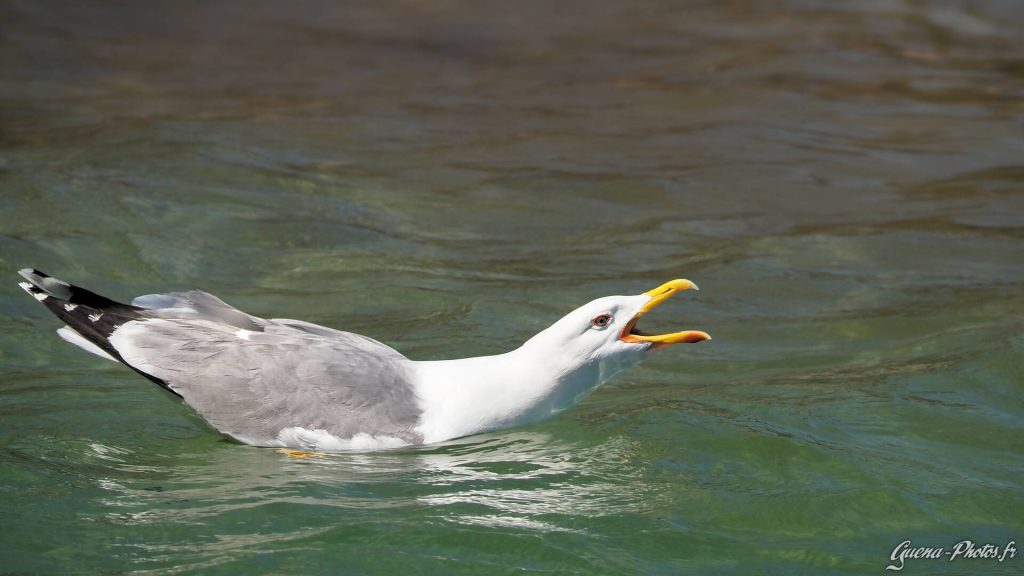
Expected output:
(521, 473)
(521, 477)
(522, 480)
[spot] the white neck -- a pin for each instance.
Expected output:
(526, 385)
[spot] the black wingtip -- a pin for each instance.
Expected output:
(46, 283)
(92, 316)
(79, 308)
(27, 271)
(32, 275)
(65, 291)
(33, 291)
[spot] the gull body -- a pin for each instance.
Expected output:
(289, 383)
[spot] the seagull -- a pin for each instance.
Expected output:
(298, 385)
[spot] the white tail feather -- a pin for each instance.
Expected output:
(78, 340)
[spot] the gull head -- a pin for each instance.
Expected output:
(549, 373)
(604, 333)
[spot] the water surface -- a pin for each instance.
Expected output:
(844, 181)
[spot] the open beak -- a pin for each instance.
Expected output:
(631, 334)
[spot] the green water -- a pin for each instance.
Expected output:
(845, 181)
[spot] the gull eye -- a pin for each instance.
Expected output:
(601, 321)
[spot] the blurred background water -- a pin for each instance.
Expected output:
(843, 180)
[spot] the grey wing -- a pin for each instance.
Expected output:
(196, 304)
(252, 385)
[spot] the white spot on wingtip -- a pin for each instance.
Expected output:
(95, 317)
(70, 307)
(35, 292)
(244, 334)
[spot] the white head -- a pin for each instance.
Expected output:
(548, 373)
(601, 337)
